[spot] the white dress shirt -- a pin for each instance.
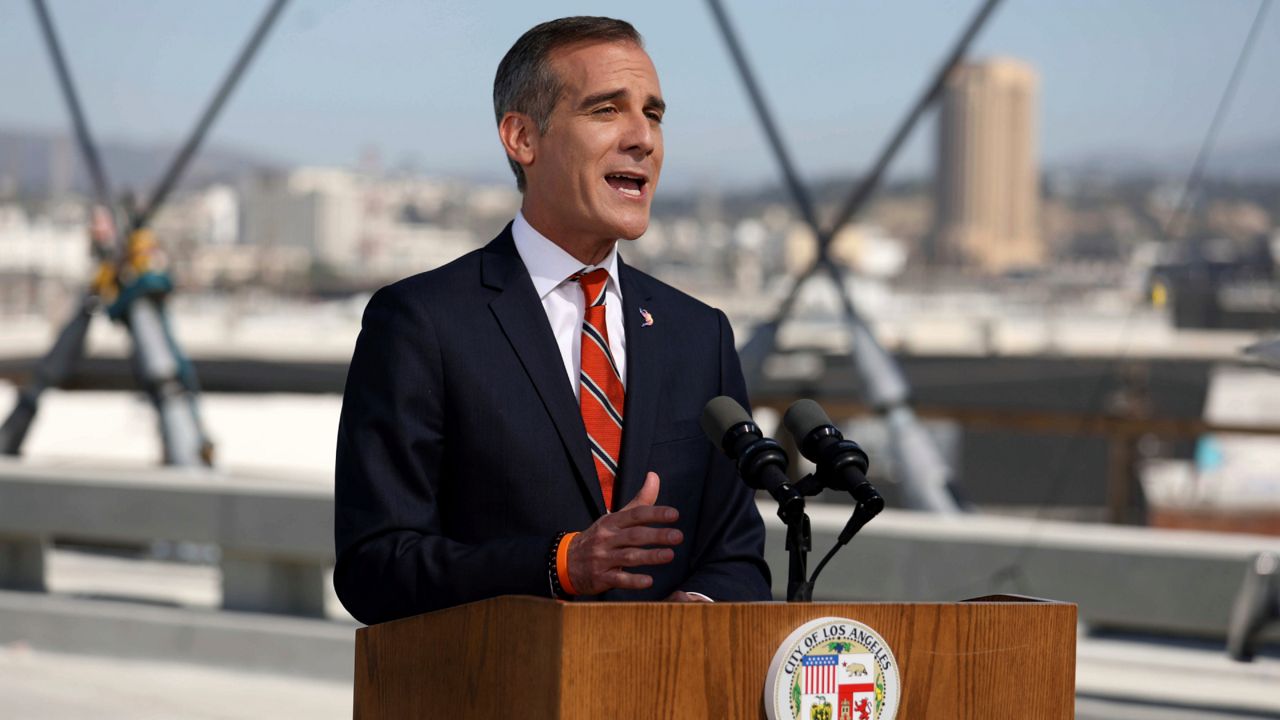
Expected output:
(550, 267)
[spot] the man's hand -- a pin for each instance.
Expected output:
(618, 540)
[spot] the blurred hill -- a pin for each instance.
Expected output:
(1253, 161)
(34, 163)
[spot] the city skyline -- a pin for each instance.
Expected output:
(338, 77)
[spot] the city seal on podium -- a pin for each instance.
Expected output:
(833, 668)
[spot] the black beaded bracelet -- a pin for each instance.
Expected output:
(553, 574)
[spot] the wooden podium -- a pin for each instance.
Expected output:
(525, 657)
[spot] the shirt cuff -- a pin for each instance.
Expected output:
(700, 596)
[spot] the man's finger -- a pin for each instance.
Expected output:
(643, 515)
(648, 494)
(636, 557)
(643, 536)
(626, 580)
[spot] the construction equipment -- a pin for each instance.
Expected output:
(130, 283)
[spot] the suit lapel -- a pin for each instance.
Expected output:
(524, 322)
(644, 365)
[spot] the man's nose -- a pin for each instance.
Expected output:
(640, 137)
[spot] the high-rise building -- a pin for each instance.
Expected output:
(988, 193)
(62, 167)
(319, 209)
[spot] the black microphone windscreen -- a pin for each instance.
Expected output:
(720, 414)
(803, 417)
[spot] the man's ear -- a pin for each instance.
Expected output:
(519, 136)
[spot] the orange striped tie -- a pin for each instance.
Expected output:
(600, 385)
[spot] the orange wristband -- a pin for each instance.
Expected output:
(562, 564)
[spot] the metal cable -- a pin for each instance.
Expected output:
(180, 161)
(869, 183)
(1013, 570)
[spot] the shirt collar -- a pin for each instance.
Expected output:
(548, 263)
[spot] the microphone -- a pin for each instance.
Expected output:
(761, 461)
(841, 463)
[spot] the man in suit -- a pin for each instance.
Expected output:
(524, 420)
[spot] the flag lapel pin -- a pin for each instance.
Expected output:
(648, 319)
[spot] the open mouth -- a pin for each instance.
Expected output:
(627, 184)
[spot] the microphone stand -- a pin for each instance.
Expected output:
(800, 536)
(799, 543)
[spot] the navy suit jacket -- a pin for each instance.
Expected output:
(462, 452)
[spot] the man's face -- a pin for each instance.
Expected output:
(595, 169)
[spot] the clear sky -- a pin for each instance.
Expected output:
(413, 77)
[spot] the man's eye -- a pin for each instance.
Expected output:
(606, 110)
(656, 117)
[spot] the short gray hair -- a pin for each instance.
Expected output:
(525, 82)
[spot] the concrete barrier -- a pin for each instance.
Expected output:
(1122, 578)
(275, 536)
(243, 641)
